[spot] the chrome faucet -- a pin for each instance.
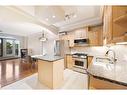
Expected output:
(113, 59)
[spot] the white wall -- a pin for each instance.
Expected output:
(36, 46)
(22, 39)
(28, 9)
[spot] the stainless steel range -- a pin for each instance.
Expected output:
(80, 62)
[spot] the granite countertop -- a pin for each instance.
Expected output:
(47, 57)
(116, 73)
(74, 53)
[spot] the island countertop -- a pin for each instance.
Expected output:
(49, 58)
(115, 73)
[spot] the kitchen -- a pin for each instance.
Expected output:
(87, 52)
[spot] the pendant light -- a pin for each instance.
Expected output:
(43, 38)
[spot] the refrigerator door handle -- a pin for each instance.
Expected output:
(54, 50)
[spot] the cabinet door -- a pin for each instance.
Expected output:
(109, 22)
(95, 36)
(71, 40)
(107, 27)
(90, 58)
(63, 37)
(69, 62)
(77, 34)
(95, 83)
(119, 26)
(81, 33)
(119, 11)
(71, 43)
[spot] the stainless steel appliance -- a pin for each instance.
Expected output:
(81, 42)
(80, 62)
(61, 48)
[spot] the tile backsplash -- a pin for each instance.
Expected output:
(120, 50)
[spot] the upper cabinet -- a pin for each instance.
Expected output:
(107, 25)
(81, 33)
(119, 14)
(75, 34)
(114, 24)
(71, 40)
(95, 35)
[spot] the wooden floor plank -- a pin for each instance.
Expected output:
(15, 69)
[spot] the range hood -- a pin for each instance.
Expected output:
(81, 42)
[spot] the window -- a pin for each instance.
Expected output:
(9, 47)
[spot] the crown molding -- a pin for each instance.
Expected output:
(83, 23)
(33, 19)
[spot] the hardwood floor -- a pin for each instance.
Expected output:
(72, 81)
(15, 69)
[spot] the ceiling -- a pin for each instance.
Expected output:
(26, 20)
(55, 16)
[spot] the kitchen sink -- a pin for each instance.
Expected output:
(103, 60)
(106, 65)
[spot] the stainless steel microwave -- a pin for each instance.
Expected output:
(81, 41)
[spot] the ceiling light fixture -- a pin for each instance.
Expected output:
(53, 16)
(75, 16)
(70, 16)
(43, 38)
(47, 19)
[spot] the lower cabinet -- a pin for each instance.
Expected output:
(69, 61)
(95, 83)
(90, 58)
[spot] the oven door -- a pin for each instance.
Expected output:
(80, 63)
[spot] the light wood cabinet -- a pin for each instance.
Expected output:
(114, 24)
(107, 24)
(69, 37)
(51, 73)
(90, 58)
(95, 83)
(95, 36)
(81, 33)
(119, 23)
(64, 37)
(69, 61)
(75, 34)
(71, 41)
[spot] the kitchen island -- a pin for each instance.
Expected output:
(107, 76)
(51, 70)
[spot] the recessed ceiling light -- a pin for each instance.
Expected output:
(75, 16)
(47, 19)
(53, 16)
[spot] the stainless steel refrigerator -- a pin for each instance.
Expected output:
(61, 48)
